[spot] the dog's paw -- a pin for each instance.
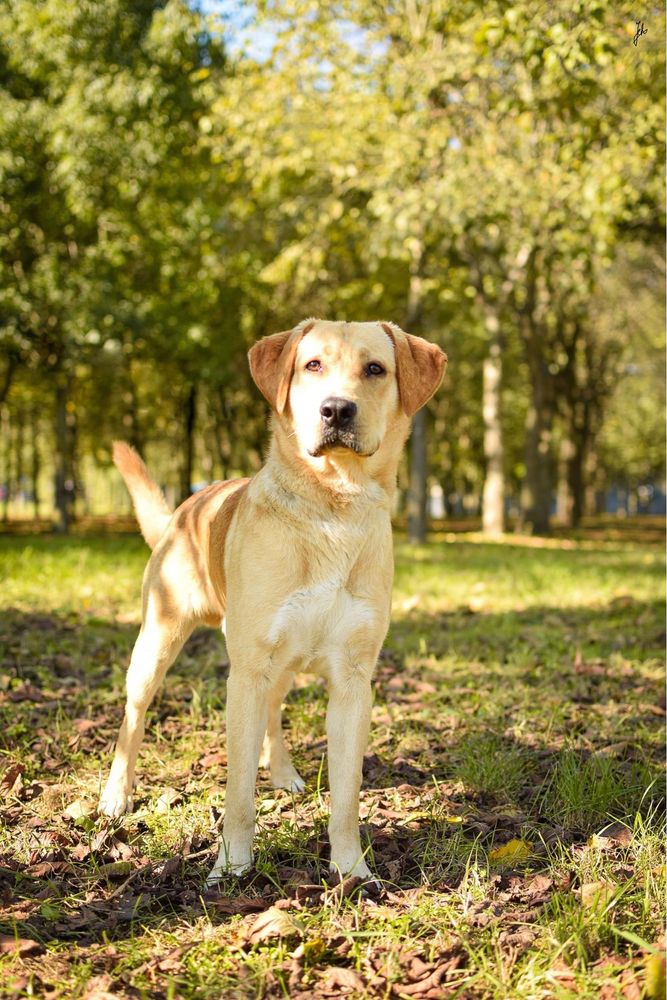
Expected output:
(235, 858)
(114, 802)
(217, 873)
(357, 870)
(361, 880)
(289, 779)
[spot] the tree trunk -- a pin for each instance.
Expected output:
(221, 434)
(7, 377)
(417, 496)
(131, 415)
(537, 487)
(574, 449)
(583, 465)
(593, 502)
(35, 463)
(19, 443)
(493, 497)
(189, 452)
(564, 498)
(63, 465)
(576, 480)
(6, 459)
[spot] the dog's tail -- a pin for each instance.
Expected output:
(150, 506)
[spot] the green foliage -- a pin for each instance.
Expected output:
(162, 204)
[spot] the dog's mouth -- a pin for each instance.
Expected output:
(332, 439)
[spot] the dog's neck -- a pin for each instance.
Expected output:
(341, 476)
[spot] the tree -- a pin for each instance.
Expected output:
(475, 173)
(105, 243)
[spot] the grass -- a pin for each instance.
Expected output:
(512, 800)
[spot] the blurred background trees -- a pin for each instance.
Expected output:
(490, 176)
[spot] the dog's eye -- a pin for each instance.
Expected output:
(374, 369)
(314, 366)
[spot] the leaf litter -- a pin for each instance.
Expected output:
(88, 885)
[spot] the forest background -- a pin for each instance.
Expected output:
(176, 182)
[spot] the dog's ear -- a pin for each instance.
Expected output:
(272, 364)
(420, 367)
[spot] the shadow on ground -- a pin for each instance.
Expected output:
(534, 726)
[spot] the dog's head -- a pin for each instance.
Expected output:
(341, 386)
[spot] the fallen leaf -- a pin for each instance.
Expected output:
(433, 980)
(309, 893)
(212, 759)
(343, 889)
(611, 749)
(23, 947)
(596, 894)
(83, 725)
(173, 960)
(650, 709)
(169, 797)
(168, 868)
(339, 978)
(79, 809)
(42, 868)
(561, 972)
(512, 851)
(613, 835)
(234, 905)
(630, 987)
(539, 885)
(26, 692)
(11, 777)
(97, 988)
(273, 923)
(518, 940)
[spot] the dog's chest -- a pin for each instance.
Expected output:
(320, 617)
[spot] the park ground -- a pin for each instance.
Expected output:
(512, 801)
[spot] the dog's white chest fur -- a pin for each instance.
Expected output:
(314, 623)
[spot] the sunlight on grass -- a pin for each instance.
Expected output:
(518, 700)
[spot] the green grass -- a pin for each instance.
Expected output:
(518, 698)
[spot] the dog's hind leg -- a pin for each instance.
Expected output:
(158, 644)
(275, 754)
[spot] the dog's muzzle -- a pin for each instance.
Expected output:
(338, 429)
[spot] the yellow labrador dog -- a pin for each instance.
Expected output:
(296, 564)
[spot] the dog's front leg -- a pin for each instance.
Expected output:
(247, 714)
(348, 723)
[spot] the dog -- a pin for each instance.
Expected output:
(295, 564)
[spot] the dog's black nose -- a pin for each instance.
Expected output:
(338, 413)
